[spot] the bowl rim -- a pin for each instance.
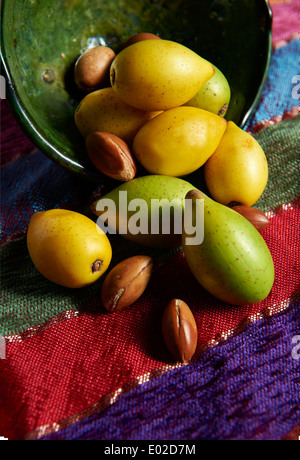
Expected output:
(267, 65)
(29, 127)
(43, 144)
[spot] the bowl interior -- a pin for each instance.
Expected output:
(41, 41)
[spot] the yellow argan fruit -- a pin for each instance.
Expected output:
(67, 247)
(158, 74)
(178, 141)
(238, 169)
(103, 110)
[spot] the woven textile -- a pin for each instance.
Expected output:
(71, 370)
(220, 396)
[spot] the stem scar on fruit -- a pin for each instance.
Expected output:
(96, 266)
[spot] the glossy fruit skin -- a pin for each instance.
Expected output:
(214, 95)
(147, 188)
(158, 74)
(238, 169)
(67, 247)
(233, 262)
(103, 110)
(178, 141)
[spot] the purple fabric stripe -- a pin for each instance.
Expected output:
(248, 388)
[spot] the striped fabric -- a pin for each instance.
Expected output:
(70, 370)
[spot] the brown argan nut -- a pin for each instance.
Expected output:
(179, 330)
(111, 155)
(91, 70)
(140, 37)
(256, 217)
(126, 282)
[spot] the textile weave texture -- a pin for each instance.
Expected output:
(74, 371)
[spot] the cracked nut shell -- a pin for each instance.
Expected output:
(126, 282)
(179, 330)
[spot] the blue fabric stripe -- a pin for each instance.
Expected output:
(279, 94)
(36, 183)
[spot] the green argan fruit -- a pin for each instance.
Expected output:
(233, 262)
(147, 210)
(214, 95)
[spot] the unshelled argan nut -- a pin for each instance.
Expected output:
(179, 330)
(91, 70)
(255, 216)
(126, 282)
(140, 37)
(111, 155)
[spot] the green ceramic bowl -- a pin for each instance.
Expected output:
(42, 39)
